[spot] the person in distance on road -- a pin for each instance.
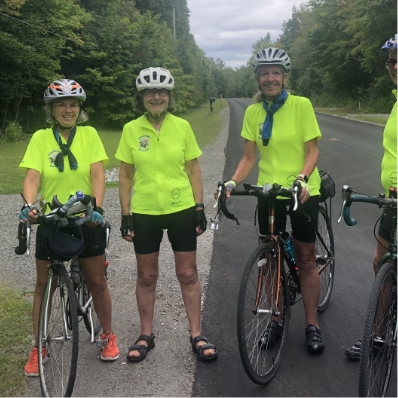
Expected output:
(388, 174)
(158, 151)
(284, 129)
(61, 160)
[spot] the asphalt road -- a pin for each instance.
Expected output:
(351, 151)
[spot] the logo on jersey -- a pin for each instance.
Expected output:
(51, 157)
(175, 194)
(143, 143)
(393, 178)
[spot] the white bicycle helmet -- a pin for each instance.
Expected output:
(271, 56)
(64, 88)
(391, 43)
(154, 78)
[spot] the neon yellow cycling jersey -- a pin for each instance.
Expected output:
(161, 184)
(40, 155)
(294, 124)
(389, 161)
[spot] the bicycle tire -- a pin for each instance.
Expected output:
(324, 243)
(57, 376)
(260, 359)
(378, 355)
(90, 308)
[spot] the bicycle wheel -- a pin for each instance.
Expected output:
(379, 344)
(325, 260)
(90, 318)
(260, 310)
(58, 333)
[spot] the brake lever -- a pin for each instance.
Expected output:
(295, 192)
(219, 190)
(346, 194)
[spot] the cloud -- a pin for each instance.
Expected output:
(227, 30)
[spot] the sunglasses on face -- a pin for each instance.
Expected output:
(391, 62)
(162, 92)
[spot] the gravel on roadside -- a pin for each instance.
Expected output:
(169, 368)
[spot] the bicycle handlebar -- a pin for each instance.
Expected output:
(62, 214)
(349, 197)
(254, 190)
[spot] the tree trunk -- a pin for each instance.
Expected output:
(3, 128)
(19, 103)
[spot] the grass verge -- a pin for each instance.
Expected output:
(15, 332)
(205, 124)
(380, 119)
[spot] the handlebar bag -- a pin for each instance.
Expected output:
(328, 189)
(62, 243)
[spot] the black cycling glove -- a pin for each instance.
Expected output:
(127, 225)
(200, 219)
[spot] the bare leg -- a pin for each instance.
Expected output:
(147, 277)
(381, 249)
(93, 269)
(41, 280)
(187, 275)
(309, 280)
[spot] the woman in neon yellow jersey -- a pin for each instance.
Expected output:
(63, 159)
(284, 129)
(388, 174)
(158, 151)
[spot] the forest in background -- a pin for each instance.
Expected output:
(334, 46)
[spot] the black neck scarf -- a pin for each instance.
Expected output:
(65, 150)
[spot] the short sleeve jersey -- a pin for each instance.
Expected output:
(389, 161)
(40, 155)
(161, 184)
(294, 124)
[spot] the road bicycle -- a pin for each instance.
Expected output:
(66, 301)
(270, 282)
(379, 341)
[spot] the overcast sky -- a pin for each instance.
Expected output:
(227, 29)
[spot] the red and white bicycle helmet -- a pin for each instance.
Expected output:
(271, 56)
(391, 43)
(154, 78)
(64, 88)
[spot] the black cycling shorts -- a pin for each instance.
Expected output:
(303, 231)
(94, 242)
(385, 226)
(181, 230)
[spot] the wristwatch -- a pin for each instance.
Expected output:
(302, 177)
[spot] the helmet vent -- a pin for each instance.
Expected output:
(162, 78)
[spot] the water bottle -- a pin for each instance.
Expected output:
(289, 246)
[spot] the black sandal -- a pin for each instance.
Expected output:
(200, 350)
(141, 348)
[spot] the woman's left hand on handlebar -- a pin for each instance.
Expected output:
(95, 220)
